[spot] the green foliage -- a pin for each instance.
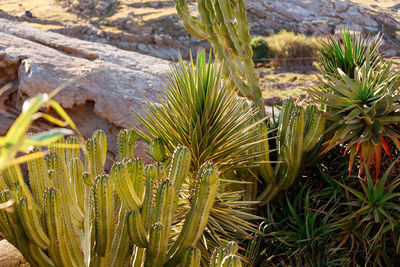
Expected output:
(298, 131)
(291, 50)
(74, 214)
(260, 48)
(363, 110)
(348, 53)
(298, 231)
(200, 112)
(17, 140)
(376, 205)
(333, 221)
(224, 24)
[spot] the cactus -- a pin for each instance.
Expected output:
(226, 256)
(299, 131)
(224, 24)
(157, 150)
(75, 214)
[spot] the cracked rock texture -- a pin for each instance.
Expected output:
(113, 82)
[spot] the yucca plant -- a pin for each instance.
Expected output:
(348, 52)
(200, 112)
(364, 111)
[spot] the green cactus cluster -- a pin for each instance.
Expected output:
(73, 213)
(299, 130)
(224, 24)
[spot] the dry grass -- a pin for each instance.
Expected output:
(43, 9)
(277, 85)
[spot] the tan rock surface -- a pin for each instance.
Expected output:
(10, 256)
(38, 61)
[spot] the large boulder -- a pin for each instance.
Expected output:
(109, 85)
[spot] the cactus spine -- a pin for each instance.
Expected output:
(77, 215)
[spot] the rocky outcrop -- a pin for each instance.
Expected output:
(318, 17)
(112, 84)
(165, 36)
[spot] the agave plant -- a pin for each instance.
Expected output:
(377, 203)
(364, 111)
(347, 53)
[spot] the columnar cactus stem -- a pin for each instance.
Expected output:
(104, 214)
(224, 24)
(299, 131)
(40, 178)
(197, 218)
(126, 144)
(226, 256)
(71, 218)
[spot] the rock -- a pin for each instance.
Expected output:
(291, 11)
(142, 47)
(341, 6)
(101, 7)
(353, 15)
(10, 256)
(304, 15)
(112, 83)
(158, 39)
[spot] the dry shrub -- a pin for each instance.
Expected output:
(291, 51)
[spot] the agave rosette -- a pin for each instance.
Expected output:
(364, 111)
(347, 53)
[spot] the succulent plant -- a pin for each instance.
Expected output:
(226, 256)
(198, 111)
(363, 111)
(75, 214)
(348, 52)
(224, 24)
(299, 130)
